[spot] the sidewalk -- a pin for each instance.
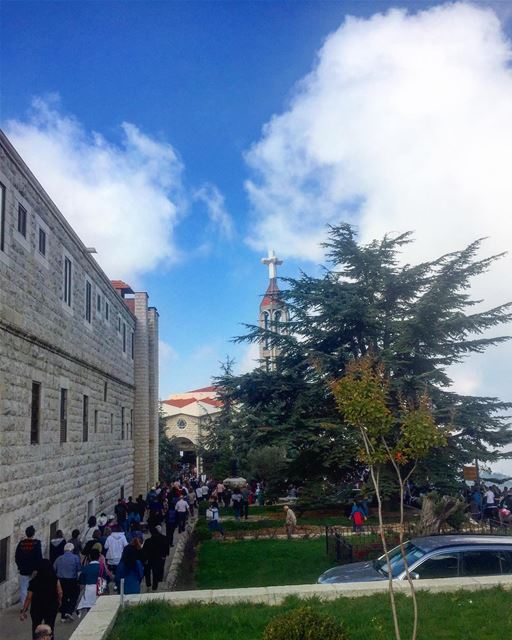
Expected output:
(11, 628)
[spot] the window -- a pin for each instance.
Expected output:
(90, 508)
(63, 415)
(266, 323)
(42, 242)
(95, 420)
(4, 558)
(88, 300)
(131, 424)
(111, 423)
(181, 424)
(98, 303)
(67, 281)
(105, 391)
(445, 565)
(118, 324)
(2, 216)
(121, 492)
(484, 562)
(54, 527)
(107, 310)
(124, 337)
(132, 344)
(35, 413)
(122, 423)
(22, 220)
(85, 419)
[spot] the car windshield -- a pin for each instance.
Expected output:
(412, 553)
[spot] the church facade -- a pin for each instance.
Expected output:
(184, 416)
(78, 375)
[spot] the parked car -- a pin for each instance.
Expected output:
(445, 556)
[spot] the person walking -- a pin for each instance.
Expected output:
(75, 541)
(213, 518)
(114, 546)
(170, 523)
(67, 567)
(357, 516)
(44, 597)
(182, 509)
(237, 502)
(89, 578)
(290, 521)
(57, 546)
(155, 550)
(92, 526)
(27, 556)
(130, 570)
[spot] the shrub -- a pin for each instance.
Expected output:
(304, 624)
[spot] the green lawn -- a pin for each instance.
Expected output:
(478, 615)
(259, 563)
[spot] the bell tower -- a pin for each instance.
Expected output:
(273, 313)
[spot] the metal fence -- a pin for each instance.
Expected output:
(343, 545)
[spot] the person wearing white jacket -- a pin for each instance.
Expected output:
(114, 545)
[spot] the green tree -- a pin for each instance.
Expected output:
(168, 452)
(415, 320)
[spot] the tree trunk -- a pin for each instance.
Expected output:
(435, 513)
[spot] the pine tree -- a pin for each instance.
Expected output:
(416, 320)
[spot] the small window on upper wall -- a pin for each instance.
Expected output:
(4, 558)
(22, 220)
(124, 337)
(119, 324)
(88, 301)
(98, 303)
(67, 281)
(107, 310)
(42, 241)
(132, 343)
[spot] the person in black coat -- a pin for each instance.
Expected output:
(156, 549)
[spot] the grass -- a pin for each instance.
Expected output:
(259, 563)
(478, 615)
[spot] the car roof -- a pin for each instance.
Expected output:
(429, 543)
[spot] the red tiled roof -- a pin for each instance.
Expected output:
(181, 402)
(271, 294)
(213, 401)
(122, 286)
(204, 389)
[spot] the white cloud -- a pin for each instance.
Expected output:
(404, 123)
(123, 198)
(214, 201)
(249, 359)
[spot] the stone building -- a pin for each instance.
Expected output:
(273, 313)
(184, 415)
(78, 375)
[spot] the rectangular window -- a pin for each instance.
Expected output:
(22, 220)
(131, 424)
(95, 420)
(42, 242)
(63, 415)
(35, 413)
(121, 492)
(107, 310)
(88, 300)
(4, 558)
(111, 423)
(3, 193)
(85, 419)
(124, 337)
(90, 508)
(132, 344)
(98, 303)
(122, 423)
(118, 324)
(105, 391)
(67, 281)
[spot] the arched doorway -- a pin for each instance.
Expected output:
(188, 451)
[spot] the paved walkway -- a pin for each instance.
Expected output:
(11, 628)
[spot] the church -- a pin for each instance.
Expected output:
(185, 414)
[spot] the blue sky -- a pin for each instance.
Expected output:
(250, 125)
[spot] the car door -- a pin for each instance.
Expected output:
(444, 564)
(485, 562)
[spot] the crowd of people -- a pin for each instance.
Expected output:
(111, 553)
(490, 503)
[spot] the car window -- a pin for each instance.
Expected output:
(443, 565)
(486, 562)
(412, 554)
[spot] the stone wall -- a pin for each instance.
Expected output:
(47, 341)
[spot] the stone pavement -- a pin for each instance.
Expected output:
(11, 628)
